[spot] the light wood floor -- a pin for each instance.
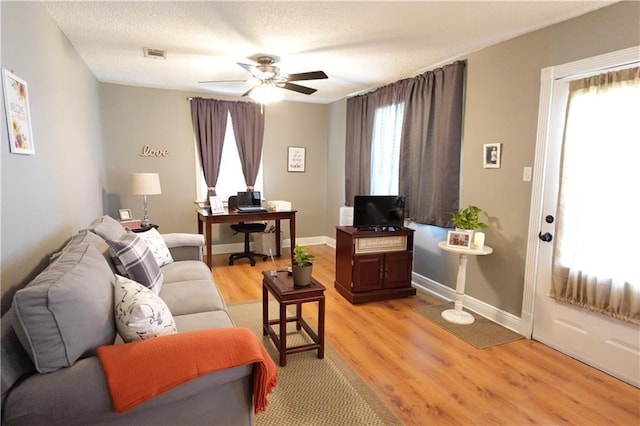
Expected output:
(427, 376)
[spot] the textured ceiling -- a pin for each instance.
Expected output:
(360, 45)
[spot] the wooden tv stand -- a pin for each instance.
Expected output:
(373, 265)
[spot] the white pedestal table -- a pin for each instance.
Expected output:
(457, 315)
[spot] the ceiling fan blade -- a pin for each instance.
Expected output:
(297, 88)
(311, 75)
(248, 67)
(248, 91)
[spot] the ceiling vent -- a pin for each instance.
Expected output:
(154, 53)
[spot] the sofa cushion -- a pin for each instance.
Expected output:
(66, 312)
(157, 246)
(203, 321)
(188, 297)
(108, 228)
(186, 270)
(137, 260)
(140, 313)
(93, 239)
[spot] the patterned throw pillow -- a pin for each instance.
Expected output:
(157, 246)
(139, 313)
(138, 261)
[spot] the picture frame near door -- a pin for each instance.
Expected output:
(460, 239)
(16, 105)
(492, 153)
(296, 158)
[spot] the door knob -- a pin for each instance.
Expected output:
(549, 219)
(546, 237)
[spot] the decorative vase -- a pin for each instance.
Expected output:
(302, 275)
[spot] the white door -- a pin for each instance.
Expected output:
(608, 344)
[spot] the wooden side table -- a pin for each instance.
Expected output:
(457, 315)
(282, 289)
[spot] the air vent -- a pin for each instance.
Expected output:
(155, 53)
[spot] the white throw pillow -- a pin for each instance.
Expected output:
(157, 246)
(139, 312)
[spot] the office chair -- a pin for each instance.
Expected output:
(246, 229)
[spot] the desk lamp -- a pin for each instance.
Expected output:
(145, 184)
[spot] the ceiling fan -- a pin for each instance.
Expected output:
(269, 75)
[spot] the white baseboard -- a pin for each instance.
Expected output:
(499, 316)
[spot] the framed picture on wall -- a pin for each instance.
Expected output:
(296, 159)
(491, 155)
(16, 106)
(460, 239)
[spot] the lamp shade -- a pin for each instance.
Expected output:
(145, 184)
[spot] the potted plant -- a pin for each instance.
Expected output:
(302, 266)
(468, 219)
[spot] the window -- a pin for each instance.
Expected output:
(385, 149)
(230, 179)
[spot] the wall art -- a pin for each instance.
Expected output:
(296, 159)
(16, 105)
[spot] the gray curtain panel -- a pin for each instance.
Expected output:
(248, 127)
(357, 165)
(209, 119)
(431, 144)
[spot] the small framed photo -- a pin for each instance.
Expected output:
(296, 159)
(216, 204)
(460, 239)
(125, 214)
(491, 155)
(16, 106)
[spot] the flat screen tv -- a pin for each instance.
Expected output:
(378, 211)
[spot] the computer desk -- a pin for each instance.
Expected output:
(206, 219)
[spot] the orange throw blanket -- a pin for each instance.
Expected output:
(142, 370)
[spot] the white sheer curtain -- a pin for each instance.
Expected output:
(597, 252)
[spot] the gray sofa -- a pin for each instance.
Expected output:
(78, 290)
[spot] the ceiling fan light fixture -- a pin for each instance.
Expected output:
(266, 94)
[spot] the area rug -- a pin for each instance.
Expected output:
(312, 391)
(483, 333)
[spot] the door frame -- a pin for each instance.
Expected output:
(548, 76)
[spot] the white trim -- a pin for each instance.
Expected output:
(547, 78)
(496, 315)
(631, 380)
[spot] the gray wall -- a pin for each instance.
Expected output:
(47, 197)
(503, 89)
(502, 93)
(134, 117)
